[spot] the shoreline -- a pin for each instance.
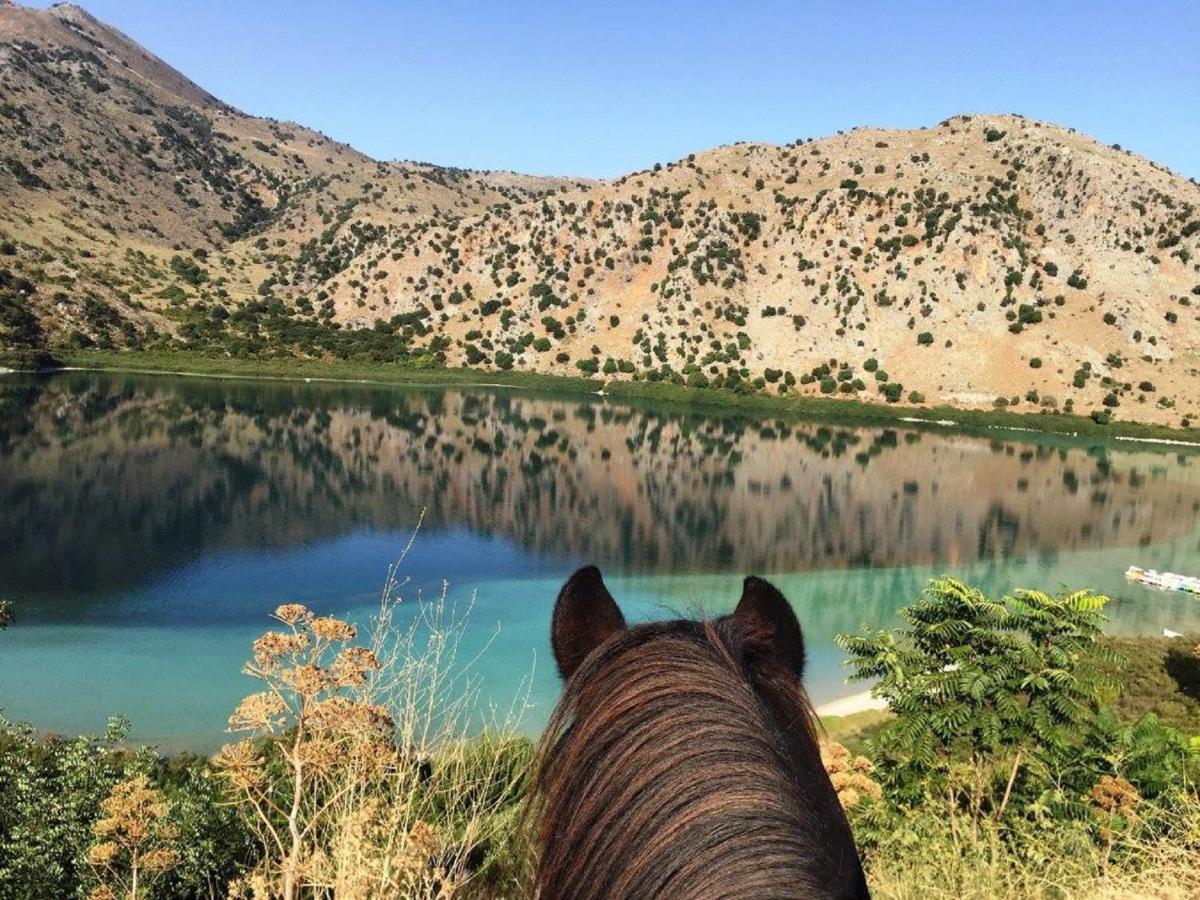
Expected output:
(295, 369)
(851, 704)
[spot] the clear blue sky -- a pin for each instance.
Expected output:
(601, 88)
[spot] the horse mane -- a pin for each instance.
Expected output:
(682, 761)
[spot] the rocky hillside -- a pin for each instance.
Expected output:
(127, 193)
(987, 259)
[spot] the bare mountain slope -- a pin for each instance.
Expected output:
(111, 163)
(986, 257)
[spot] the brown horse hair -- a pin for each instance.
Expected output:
(682, 761)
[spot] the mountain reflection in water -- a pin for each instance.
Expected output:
(109, 482)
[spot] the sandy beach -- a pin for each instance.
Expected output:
(848, 706)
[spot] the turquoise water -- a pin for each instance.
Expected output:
(148, 526)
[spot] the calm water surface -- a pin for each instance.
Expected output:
(148, 526)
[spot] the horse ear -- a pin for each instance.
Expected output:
(763, 607)
(585, 615)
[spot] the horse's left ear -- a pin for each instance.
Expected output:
(763, 607)
(585, 615)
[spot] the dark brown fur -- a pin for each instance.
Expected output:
(682, 762)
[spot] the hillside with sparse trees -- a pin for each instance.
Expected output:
(985, 261)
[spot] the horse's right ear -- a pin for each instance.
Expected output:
(585, 615)
(765, 608)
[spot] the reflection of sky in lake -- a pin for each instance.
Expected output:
(152, 524)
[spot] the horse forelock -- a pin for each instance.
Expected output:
(682, 760)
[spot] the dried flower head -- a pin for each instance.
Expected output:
(133, 836)
(255, 886)
(352, 665)
(317, 738)
(259, 712)
(276, 645)
(318, 753)
(416, 861)
(242, 764)
(293, 614)
(307, 679)
(328, 628)
(130, 810)
(348, 717)
(850, 775)
(1115, 796)
(160, 859)
(103, 854)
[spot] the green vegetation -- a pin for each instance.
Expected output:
(1013, 764)
(696, 397)
(1010, 763)
(1161, 677)
(22, 340)
(287, 367)
(985, 681)
(51, 791)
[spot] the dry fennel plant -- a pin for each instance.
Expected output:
(359, 774)
(132, 838)
(850, 774)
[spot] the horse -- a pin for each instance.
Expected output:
(682, 759)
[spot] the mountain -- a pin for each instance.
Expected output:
(986, 257)
(127, 192)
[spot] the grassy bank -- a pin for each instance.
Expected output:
(181, 362)
(698, 399)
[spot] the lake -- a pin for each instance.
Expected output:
(149, 525)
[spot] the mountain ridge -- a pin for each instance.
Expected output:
(986, 259)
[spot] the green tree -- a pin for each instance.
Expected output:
(1014, 681)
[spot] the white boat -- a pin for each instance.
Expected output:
(1163, 581)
